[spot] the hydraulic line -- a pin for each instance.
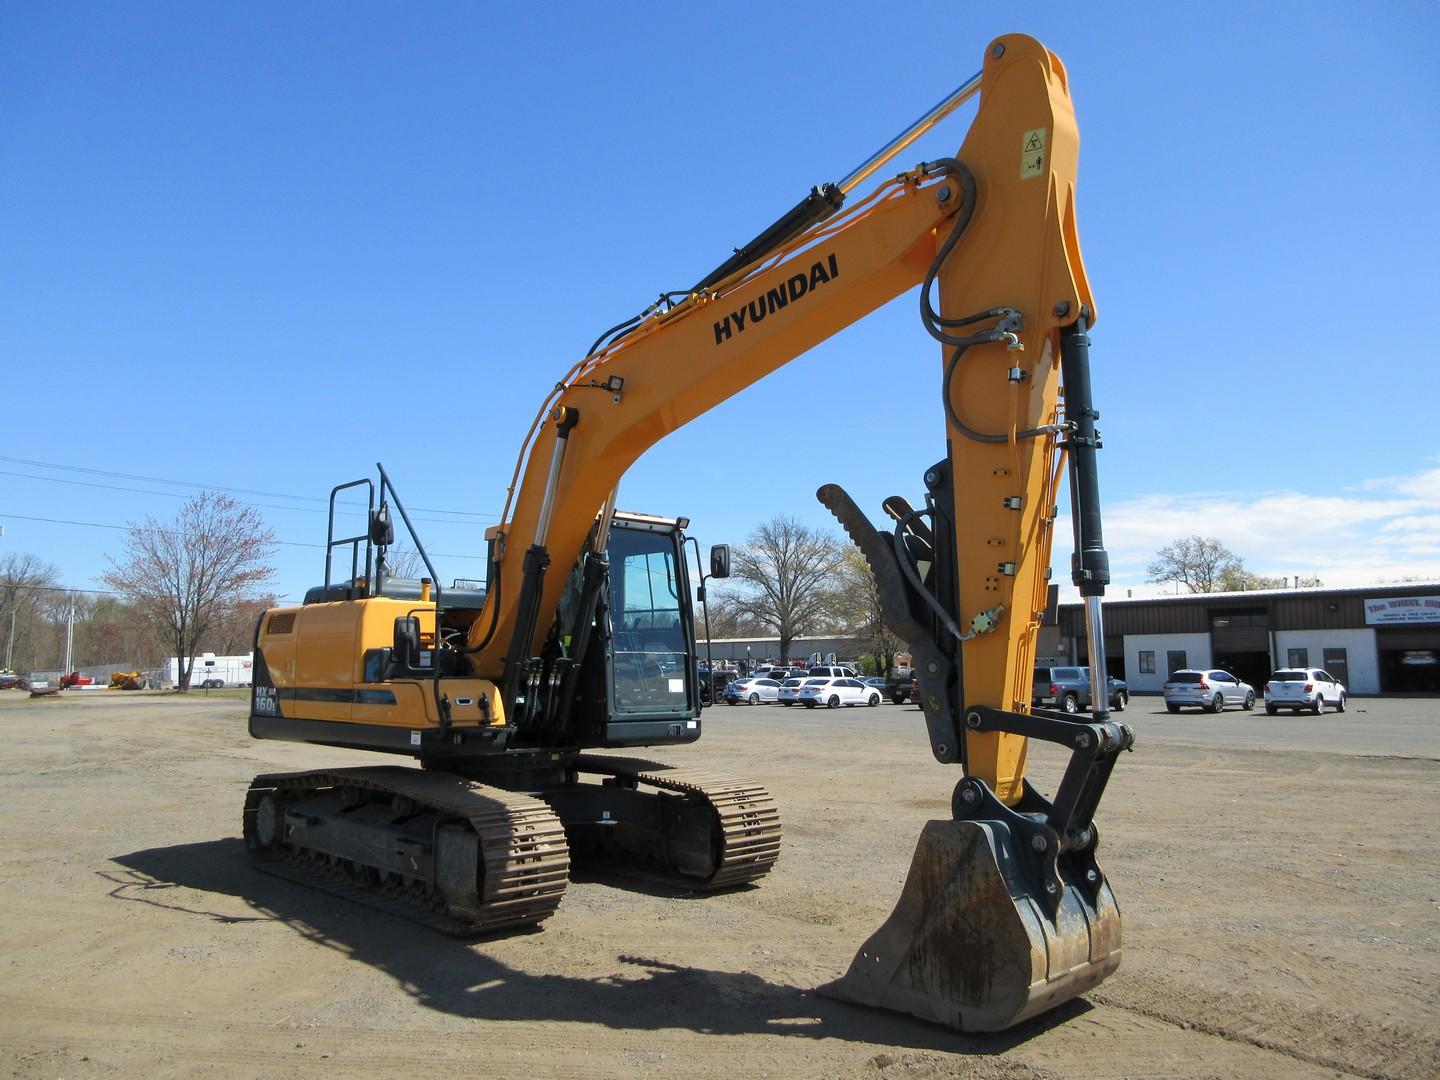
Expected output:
(933, 321)
(961, 426)
(907, 567)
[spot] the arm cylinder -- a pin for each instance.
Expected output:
(1090, 565)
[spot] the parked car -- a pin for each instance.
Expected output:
(790, 690)
(832, 693)
(11, 681)
(752, 690)
(832, 673)
(1068, 689)
(875, 681)
(76, 679)
(1211, 690)
(1303, 688)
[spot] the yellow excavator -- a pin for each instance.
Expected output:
(513, 697)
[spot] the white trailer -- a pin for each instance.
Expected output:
(209, 670)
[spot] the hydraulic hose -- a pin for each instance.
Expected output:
(961, 426)
(934, 321)
(907, 567)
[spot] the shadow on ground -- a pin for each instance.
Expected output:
(459, 978)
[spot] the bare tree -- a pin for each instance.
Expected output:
(727, 619)
(403, 563)
(234, 631)
(66, 609)
(859, 610)
(26, 584)
(787, 573)
(184, 575)
(1197, 562)
(118, 633)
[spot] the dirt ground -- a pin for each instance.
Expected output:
(1279, 878)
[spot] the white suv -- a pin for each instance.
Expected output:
(832, 673)
(1303, 688)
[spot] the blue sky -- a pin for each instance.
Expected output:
(259, 247)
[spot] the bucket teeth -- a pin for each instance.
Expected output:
(968, 947)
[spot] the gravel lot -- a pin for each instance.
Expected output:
(1279, 877)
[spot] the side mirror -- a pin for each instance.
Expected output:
(720, 561)
(406, 648)
(382, 532)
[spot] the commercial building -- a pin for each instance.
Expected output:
(832, 649)
(1375, 639)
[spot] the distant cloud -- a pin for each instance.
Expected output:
(1386, 528)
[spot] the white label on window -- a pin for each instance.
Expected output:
(677, 686)
(414, 738)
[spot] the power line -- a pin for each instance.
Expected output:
(358, 507)
(211, 487)
(5, 585)
(127, 528)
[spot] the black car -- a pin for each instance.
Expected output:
(712, 685)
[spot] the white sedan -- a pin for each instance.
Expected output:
(752, 690)
(832, 693)
(790, 691)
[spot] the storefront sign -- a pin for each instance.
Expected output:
(1402, 609)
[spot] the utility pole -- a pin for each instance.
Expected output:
(70, 637)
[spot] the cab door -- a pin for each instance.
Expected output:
(652, 676)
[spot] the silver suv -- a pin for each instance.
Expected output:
(1210, 690)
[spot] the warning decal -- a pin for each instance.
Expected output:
(1032, 153)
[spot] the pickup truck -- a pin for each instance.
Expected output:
(1068, 689)
(903, 688)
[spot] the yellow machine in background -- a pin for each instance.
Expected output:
(582, 639)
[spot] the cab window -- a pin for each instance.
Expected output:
(650, 669)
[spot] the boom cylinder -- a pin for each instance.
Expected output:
(537, 562)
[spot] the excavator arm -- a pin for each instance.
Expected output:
(1005, 912)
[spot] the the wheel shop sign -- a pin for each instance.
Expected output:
(1402, 609)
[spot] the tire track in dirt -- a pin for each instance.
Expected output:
(1325, 1039)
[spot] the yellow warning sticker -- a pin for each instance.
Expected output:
(1032, 153)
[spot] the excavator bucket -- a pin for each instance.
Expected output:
(970, 946)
